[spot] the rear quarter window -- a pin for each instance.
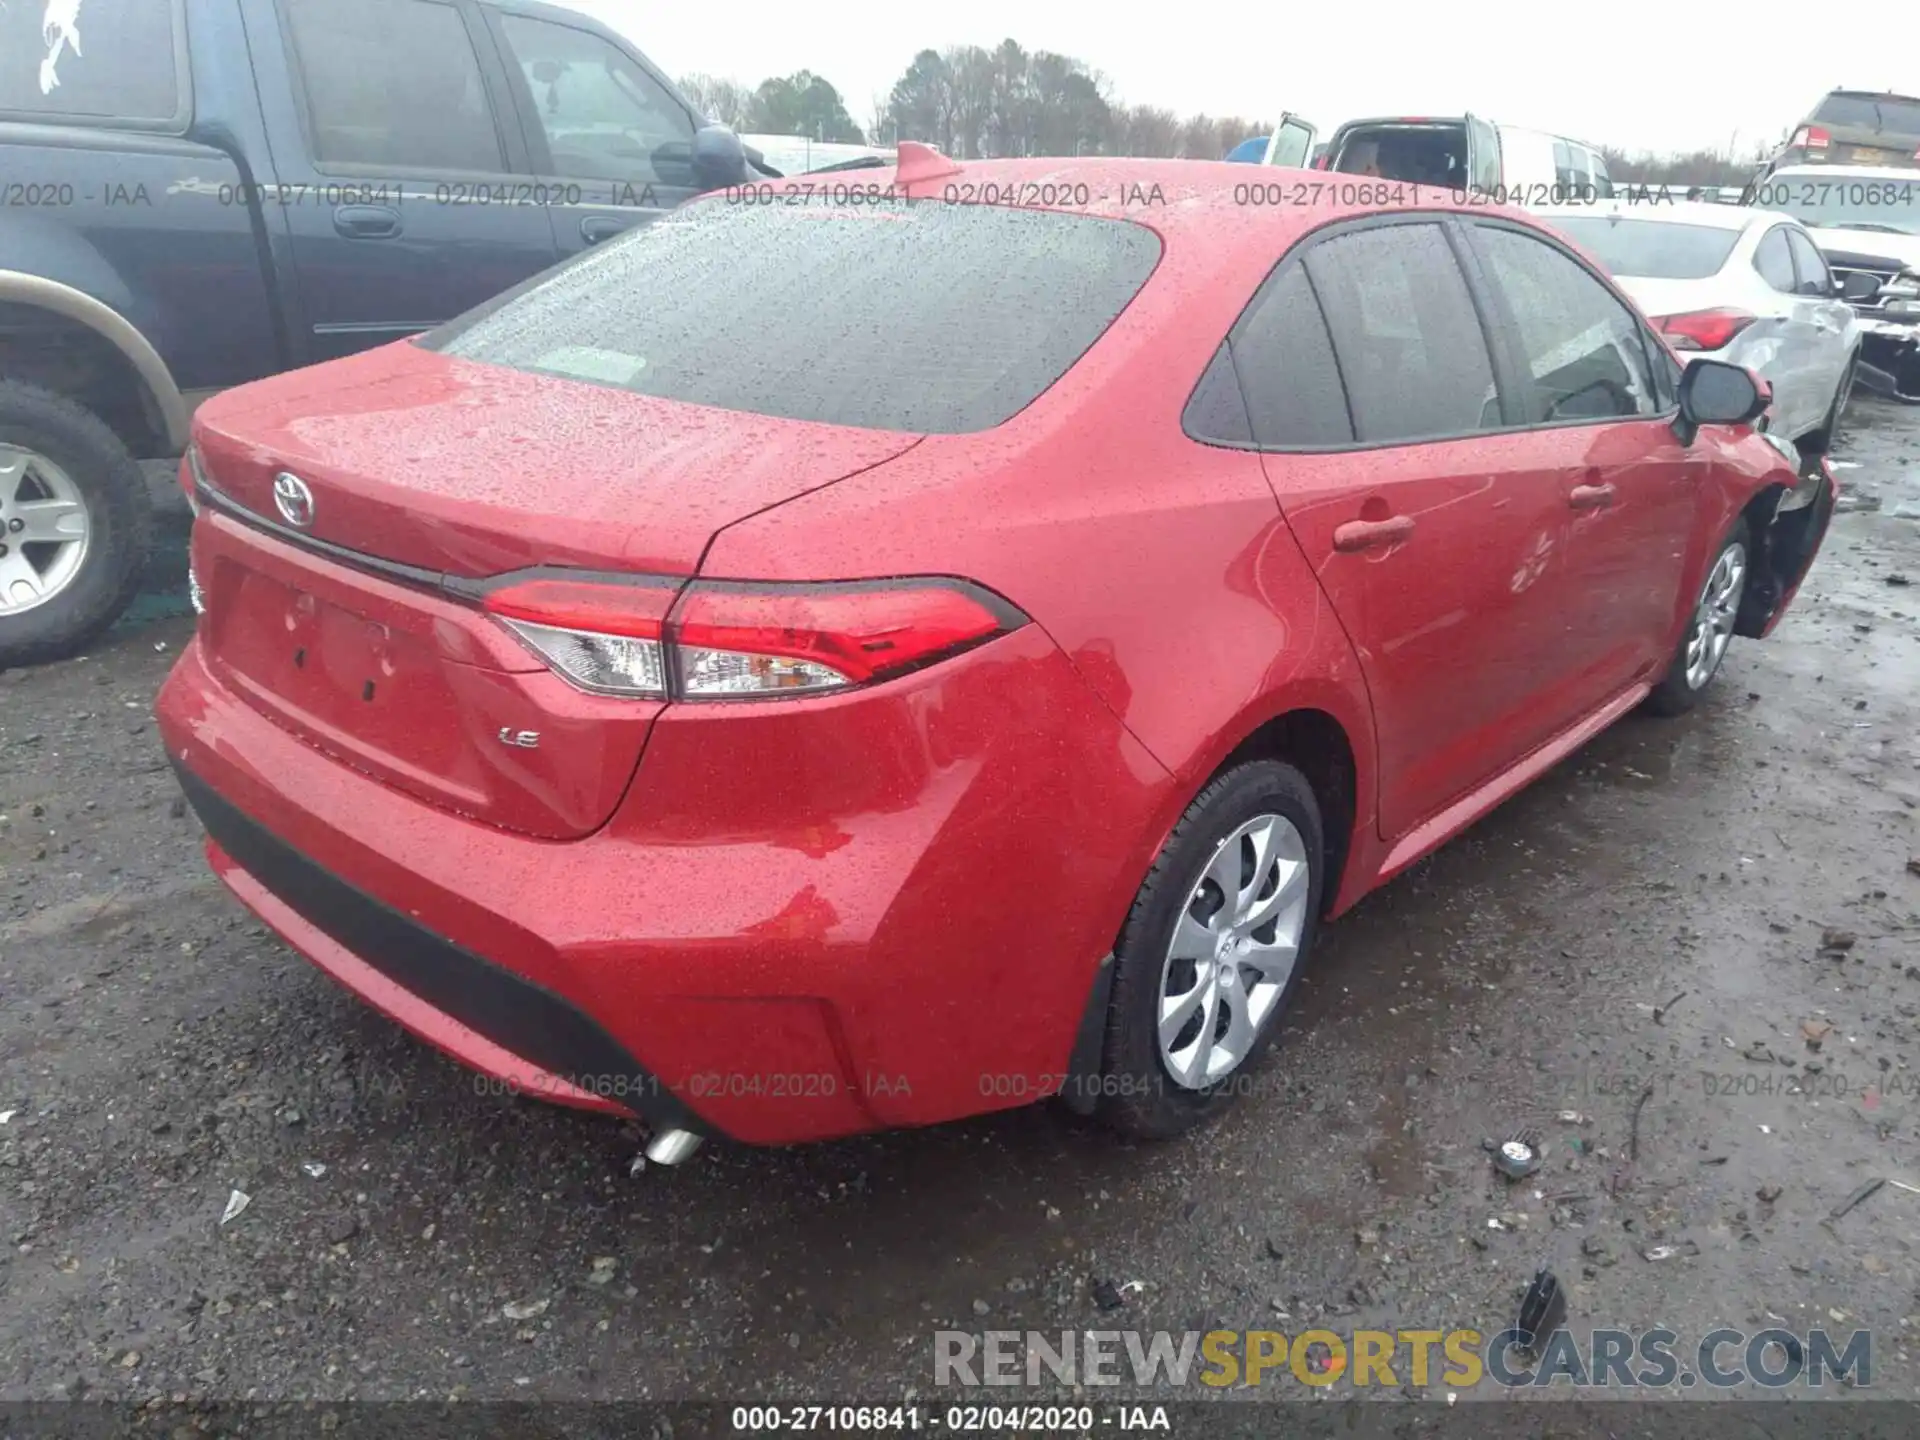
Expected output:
(1894, 115)
(91, 60)
(1650, 249)
(921, 317)
(1281, 354)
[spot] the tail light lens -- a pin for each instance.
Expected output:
(602, 635)
(1704, 329)
(1811, 137)
(738, 641)
(194, 478)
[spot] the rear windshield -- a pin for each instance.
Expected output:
(918, 316)
(105, 59)
(1433, 153)
(1896, 116)
(1824, 200)
(1652, 249)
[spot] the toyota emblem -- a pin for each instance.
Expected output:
(293, 499)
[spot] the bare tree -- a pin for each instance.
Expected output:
(1143, 130)
(725, 102)
(1692, 167)
(972, 102)
(975, 83)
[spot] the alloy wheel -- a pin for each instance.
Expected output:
(45, 530)
(1234, 948)
(1713, 620)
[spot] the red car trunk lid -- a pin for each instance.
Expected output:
(455, 469)
(472, 469)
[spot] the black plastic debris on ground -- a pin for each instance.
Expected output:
(1543, 1310)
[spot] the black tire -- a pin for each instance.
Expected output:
(119, 517)
(1674, 695)
(1140, 1097)
(1820, 442)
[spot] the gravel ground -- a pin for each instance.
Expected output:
(1646, 937)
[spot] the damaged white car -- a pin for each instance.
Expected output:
(1866, 221)
(1737, 284)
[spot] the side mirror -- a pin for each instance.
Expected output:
(719, 158)
(1860, 288)
(1712, 392)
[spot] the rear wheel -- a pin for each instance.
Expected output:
(1212, 950)
(1709, 630)
(74, 519)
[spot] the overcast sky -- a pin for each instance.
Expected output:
(1674, 77)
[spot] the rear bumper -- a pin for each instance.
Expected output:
(806, 920)
(496, 1021)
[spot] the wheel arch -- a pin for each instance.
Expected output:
(1782, 542)
(73, 344)
(1325, 731)
(1321, 733)
(1318, 746)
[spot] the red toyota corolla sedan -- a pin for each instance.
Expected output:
(834, 661)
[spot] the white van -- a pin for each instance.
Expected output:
(1503, 163)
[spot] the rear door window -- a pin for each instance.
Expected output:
(1774, 261)
(1405, 332)
(1566, 170)
(1814, 276)
(1602, 179)
(602, 116)
(893, 316)
(393, 85)
(104, 60)
(1583, 352)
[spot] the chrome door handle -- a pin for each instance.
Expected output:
(1590, 497)
(367, 222)
(596, 228)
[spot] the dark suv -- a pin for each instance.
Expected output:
(1856, 127)
(199, 193)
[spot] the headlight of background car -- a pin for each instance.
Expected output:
(196, 467)
(197, 470)
(1901, 295)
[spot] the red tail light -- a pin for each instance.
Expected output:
(1811, 137)
(601, 635)
(739, 640)
(1703, 329)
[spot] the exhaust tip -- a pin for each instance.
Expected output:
(672, 1147)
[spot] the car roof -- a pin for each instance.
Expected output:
(1869, 95)
(1907, 174)
(1193, 194)
(1217, 220)
(1676, 212)
(1499, 125)
(1217, 206)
